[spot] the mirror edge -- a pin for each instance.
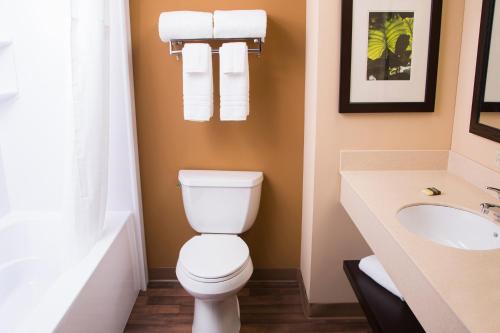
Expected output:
(476, 127)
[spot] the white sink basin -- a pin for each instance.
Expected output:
(451, 227)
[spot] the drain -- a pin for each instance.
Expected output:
(495, 234)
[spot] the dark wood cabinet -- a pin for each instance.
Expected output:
(385, 312)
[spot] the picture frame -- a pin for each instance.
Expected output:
(389, 55)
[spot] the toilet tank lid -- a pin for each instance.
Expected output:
(218, 178)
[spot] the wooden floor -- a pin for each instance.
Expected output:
(265, 307)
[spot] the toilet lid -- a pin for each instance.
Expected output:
(213, 256)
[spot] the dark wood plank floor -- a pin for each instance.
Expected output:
(265, 307)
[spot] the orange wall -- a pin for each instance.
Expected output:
(271, 140)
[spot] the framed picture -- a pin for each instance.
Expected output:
(389, 55)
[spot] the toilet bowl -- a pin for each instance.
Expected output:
(214, 266)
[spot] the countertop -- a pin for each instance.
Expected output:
(465, 283)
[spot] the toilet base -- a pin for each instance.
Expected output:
(217, 316)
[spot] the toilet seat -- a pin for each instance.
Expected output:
(212, 258)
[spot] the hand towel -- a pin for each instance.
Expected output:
(234, 82)
(185, 25)
(240, 23)
(197, 81)
(372, 267)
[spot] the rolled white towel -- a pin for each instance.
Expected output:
(372, 267)
(240, 23)
(185, 25)
(197, 81)
(234, 82)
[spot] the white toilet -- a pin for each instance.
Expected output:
(215, 265)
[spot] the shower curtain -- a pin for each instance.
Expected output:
(88, 122)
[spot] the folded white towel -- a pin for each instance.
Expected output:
(234, 57)
(185, 25)
(234, 82)
(372, 267)
(240, 23)
(195, 58)
(197, 81)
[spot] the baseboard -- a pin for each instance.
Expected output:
(311, 310)
(331, 310)
(259, 274)
(274, 274)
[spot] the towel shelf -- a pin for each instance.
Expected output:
(384, 311)
(255, 46)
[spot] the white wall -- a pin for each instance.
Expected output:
(32, 126)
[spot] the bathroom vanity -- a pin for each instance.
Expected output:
(449, 289)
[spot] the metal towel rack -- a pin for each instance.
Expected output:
(255, 47)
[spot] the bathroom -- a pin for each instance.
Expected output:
(249, 166)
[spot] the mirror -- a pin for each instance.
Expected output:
(485, 119)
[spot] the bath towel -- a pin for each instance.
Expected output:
(372, 267)
(240, 23)
(185, 25)
(197, 81)
(234, 82)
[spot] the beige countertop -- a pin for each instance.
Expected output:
(450, 290)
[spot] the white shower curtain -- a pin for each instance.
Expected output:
(86, 181)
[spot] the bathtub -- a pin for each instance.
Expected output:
(37, 295)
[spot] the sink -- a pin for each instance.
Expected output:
(451, 227)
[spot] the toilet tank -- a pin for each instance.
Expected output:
(220, 202)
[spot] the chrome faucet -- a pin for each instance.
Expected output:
(487, 207)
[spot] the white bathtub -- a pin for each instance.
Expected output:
(36, 295)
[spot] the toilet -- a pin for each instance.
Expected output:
(215, 265)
